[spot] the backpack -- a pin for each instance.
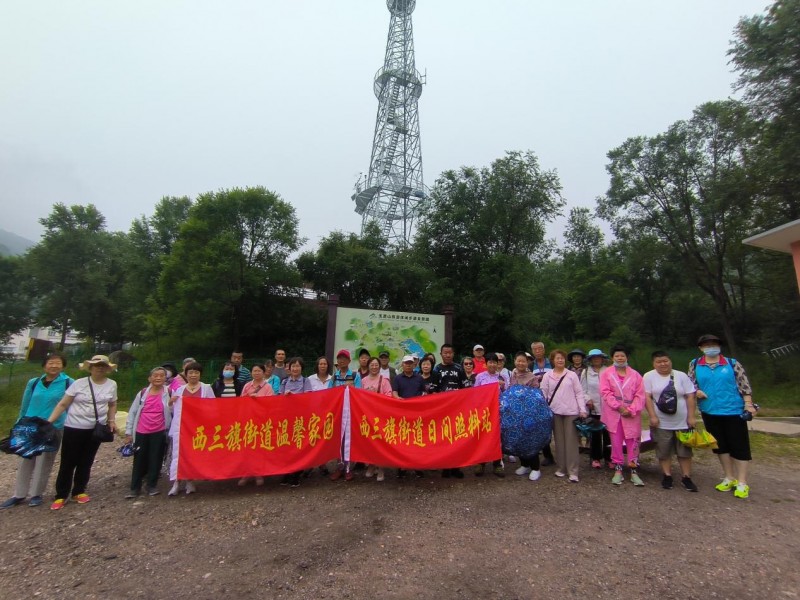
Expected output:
(667, 401)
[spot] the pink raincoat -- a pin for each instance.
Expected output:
(614, 393)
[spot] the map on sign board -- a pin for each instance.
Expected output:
(398, 333)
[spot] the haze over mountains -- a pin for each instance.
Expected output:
(13, 244)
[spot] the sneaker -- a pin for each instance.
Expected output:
(479, 470)
(499, 471)
(742, 491)
(618, 478)
(419, 474)
(294, 480)
(152, 492)
(688, 484)
(666, 482)
(535, 475)
(190, 489)
(259, 481)
(457, 473)
(58, 504)
(243, 481)
(337, 475)
(370, 471)
(401, 474)
(35, 501)
(132, 494)
(522, 471)
(560, 474)
(285, 480)
(596, 464)
(512, 459)
(380, 475)
(348, 476)
(82, 498)
(726, 485)
(546, 462)
(573, 479)
(173, 491)
(13, 501)
(635, 479)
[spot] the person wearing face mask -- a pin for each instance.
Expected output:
(623, 396)
(227, 384)
(725, 400)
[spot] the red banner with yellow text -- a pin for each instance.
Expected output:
(224, 438)
(452, 429)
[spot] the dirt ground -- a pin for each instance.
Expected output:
(428, 538)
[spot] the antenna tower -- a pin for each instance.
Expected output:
(393, 192)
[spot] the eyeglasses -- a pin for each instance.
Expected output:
(468, 364)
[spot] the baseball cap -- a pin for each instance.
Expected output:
(343, 352)
(408, 358)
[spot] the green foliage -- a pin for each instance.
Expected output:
(689, 188)
(478, 238)
(15, 299)
(231, 254)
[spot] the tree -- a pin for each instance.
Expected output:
(365, 272)
(230, 256)
(766, 53)
(691, 188)
(148, 243)
(15, 299)
(74, 274)
(477, 239)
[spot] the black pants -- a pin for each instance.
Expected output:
(531, 462)
(548, 453)
(600, 445)
(78, 450)
(148, 458)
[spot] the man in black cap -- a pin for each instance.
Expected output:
(386, 369)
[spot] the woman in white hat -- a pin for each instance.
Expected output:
(89, 400)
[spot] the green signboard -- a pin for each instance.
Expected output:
(399, 333)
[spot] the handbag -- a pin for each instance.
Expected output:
(697, 438)
(101, 433)
(667, 401)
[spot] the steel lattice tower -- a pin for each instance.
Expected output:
(393, 192)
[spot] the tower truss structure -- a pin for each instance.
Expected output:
(393, 192)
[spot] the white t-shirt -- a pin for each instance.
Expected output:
(317, 384)
(80, 414)
(654, 384)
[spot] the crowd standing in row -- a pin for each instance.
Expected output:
(576, 385)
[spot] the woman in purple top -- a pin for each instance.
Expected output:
(295, 383)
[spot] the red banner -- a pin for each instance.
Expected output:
(224, 438)
(452, 429)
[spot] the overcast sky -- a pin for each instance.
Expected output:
(120, 103)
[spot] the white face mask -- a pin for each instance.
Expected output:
(712, 350)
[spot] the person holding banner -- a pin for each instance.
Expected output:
(491, 376)
(450, 377)
(429, 379)
(271, 377)
(344, 376)
(295, 383)
(194, 388)
(375, 382)
(257, 387)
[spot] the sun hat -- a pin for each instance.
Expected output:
(596, 352)
(574, 352)
(97, 359)
(708, 337)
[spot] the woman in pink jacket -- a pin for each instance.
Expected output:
(564, 394)
(623, 397)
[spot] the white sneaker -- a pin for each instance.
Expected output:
(522, 471)
(370, 471)
(512, 459)
(173, 491)
(190, 489)
(534, 476)
(380, 476)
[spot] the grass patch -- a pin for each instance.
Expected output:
(766, 447)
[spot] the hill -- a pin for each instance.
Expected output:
(12, 244)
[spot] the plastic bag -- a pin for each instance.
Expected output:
(697, 438)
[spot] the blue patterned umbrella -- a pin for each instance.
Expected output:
(526, 422)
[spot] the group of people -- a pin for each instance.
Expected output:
(576, 385)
